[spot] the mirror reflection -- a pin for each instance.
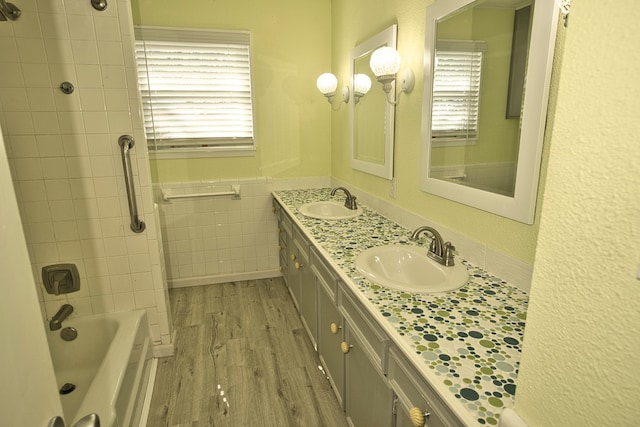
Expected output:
(475, 129)
(372, 133)
(482, 131)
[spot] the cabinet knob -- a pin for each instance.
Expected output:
(293, 257)
(298, 265)
(345, 347)
(418, 416)
(335, 328)
(273, 209)
(279, 248)
(281, 268)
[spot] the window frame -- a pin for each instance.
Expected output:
(219, 147)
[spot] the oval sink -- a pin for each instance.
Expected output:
(407, 268)
(328, 209)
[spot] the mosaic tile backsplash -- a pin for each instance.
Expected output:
(468, 340)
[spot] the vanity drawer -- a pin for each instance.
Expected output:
(413, 391)
(375, 342)
(328, 280)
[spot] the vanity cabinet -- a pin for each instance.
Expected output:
(330, 337)
(416, 403)
(373, 381)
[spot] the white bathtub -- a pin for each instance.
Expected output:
(109, 363)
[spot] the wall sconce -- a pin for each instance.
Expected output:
(361, 85)
(385, 63)
(565, 6)
(327, 84)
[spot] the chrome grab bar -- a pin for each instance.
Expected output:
(127, 142)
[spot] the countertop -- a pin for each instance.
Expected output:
(467, 342)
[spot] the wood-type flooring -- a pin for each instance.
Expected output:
(242, 358)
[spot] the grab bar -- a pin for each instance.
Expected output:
(127, 142)
(235, 191)
(9, 11)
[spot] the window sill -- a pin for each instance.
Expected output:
(199, 154)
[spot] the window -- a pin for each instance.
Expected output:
(196, 92)
(456, 90)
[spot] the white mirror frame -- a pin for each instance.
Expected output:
(520, 207)
(388, 37)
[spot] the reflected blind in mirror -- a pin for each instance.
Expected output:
(456, 89)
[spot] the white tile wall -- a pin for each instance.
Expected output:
(221, 239)
(65, 159)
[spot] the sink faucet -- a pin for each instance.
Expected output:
(56, 321)
(439, 251)
(350, 203)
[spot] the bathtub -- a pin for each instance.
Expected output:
(109, 363)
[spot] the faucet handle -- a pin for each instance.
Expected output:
(447, 254)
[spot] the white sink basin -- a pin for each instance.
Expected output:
(407, 268)
(328, 209)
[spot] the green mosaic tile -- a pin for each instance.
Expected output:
(470, 337)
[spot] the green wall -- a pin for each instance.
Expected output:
(291, 45)
(507, 236)
(297, 134)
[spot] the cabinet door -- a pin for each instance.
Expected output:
(330, 336)
(293, 273)
(369, 400)
(309, 300)
(414, 394)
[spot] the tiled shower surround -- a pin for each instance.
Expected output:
(65, 160)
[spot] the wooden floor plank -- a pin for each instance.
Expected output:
(242, 358)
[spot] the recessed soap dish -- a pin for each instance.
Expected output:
(61, 278)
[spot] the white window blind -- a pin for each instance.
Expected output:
(196, 89)
(456, 89)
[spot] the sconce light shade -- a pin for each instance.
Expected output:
(361, 84)
(327, 84)
(385, 61)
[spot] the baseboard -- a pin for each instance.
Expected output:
(223, 278)
(163, 350)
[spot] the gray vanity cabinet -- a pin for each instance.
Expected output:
(413, 394)
(284, 240)
(368, 397)
(330, 337)
(373, 381)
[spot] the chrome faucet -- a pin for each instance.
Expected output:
(56, 321)
(439, 251)
(350, 203)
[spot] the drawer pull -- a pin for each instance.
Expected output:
(298, 265)
(345, 347)
(418, 416)
(293, 257)
(335, 328)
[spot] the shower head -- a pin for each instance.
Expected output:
(9, 11)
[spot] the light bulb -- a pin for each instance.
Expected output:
(327, 83)
(361, 84)
(385, 61)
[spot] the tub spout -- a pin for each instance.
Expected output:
(56, 321)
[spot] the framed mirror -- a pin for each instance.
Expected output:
(372, 117)
(486, 86)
